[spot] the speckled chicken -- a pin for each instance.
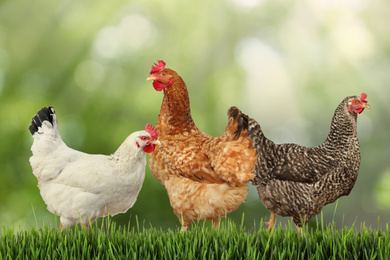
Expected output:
(205, 177)
(298, 181)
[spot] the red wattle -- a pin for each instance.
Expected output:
(358, 111)
(149, 148)
(158, 85)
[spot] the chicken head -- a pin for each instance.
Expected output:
(160, 76)
(147, 142)
(357, 105)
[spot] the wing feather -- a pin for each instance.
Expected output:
(302, 164)
(205, 159)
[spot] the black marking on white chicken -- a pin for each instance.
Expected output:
(81, 187)
(45, 114)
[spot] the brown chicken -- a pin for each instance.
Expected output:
(205, 177)
(298, 181)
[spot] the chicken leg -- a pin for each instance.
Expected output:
(184, 223)
(183, 228)
(216, 223)
(300, 230)
(270, 224)
(82, 225)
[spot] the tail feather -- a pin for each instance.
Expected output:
(235, 157)
(45, 114)
(238, 122)
(253, 126)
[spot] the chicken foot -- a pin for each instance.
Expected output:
(84, 227)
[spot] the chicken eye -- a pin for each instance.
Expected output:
(143, 137)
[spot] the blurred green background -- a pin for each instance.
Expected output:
(288, 64)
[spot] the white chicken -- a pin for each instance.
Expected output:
(81, 187)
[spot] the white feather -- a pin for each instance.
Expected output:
(80, 187)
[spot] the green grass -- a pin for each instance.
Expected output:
(230, 241)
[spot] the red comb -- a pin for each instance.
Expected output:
(150, 129)
(363, 97)
(157, 67)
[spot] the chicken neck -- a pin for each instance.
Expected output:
(343, 128)
(127, 156)
(175, 114)
(266, 148)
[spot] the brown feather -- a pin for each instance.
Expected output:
(205, 177)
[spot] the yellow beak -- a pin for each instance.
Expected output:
(156, 142)
(365, 105)
(151, 78)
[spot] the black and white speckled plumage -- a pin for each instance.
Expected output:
(294, 180)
